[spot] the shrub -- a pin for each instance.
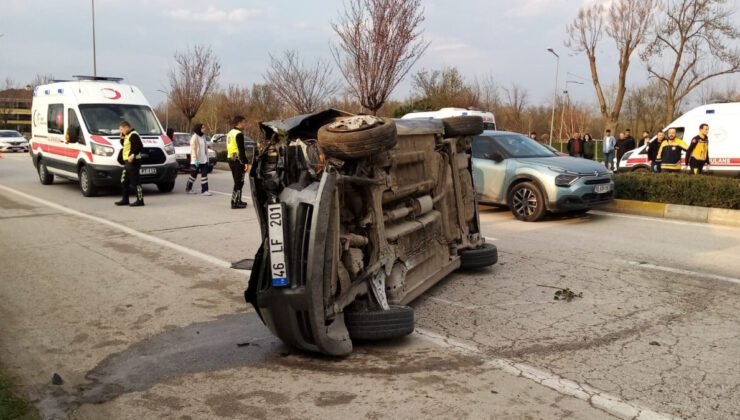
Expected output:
(670, 188)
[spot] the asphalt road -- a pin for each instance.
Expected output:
(137, 310)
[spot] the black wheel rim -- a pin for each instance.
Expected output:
(524, 202)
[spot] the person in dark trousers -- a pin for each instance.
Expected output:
(608, 149)
(652, 153)
(131, 159)
(575, 146)
(645, 139)
(698, 151)
(589, 147)
(238, 162)
(624, 145)
(198, 161)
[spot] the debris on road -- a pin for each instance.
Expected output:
(56, 379)
(563, 293)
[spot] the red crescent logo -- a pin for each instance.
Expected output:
(111, 93)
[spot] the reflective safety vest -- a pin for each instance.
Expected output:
(231, 147)
(127, 145)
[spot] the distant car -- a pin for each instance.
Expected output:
(12, 141)
(513, 170)
(218, 138)
(182, 152)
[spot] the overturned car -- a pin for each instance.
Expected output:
(359, 215)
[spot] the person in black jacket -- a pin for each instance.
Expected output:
(575, 146)
(652, 153)
(131, 158)
(624, 145)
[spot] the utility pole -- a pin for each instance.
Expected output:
(95, 64)
(557, 70)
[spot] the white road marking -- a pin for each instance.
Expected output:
(245, 198)
(488, 238)
(680, 271)
(601, 400)
(451, 303)
(153, 239)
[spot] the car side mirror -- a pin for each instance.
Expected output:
(495, 156)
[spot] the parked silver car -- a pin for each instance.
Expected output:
(12, 141)
(513, 170)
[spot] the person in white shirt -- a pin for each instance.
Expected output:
(198, 161)
(609, 143)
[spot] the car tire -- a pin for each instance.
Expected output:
(480, 257)
(468, 125)
(527, 202)
(396, 322)
(166, 187)
(641, 169)
(359, 143)
(44, 176)
(87, 187)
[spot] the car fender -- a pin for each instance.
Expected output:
(527, 176)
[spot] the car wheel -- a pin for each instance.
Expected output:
(469, 125)
(396, 322)
(166, 187)
(87, 187)
(357, 137)
(480, 257)
(642, 169)
(527, 202)
(44, 176)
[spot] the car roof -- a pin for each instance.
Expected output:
(498, 132)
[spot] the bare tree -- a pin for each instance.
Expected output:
(194, 77)
(41, 79)
(305, 89)
(445, 88)
(627, 26)
(694, 44)
(379, 42)
(515, 104)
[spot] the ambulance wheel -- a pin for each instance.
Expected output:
(44, 176)
(166, 187)
(87, 187)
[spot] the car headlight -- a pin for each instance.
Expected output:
(562, 171)
(169, 149)
(181, 156)
(100, 150)
(565, 180)
(211, 153)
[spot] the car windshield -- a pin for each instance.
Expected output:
(103, 119)
(181, 139)
(10, 134)
(520, 146)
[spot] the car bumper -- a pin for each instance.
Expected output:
(184, 163)
(13, 148)
(110, 176)
(582, 195)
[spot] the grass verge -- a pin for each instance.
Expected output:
(13, 407)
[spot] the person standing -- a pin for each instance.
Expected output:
(608, 149)
(575, 146)
(669, 154)
(628, 136)
(645, 139)
(238, 162)
(698, 152)
(131, 159)
(171, 134)
(652, 153)
(624, 145)
(589, 147)
(198, 161)
(533, 136)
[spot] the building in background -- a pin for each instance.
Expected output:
(15, 110)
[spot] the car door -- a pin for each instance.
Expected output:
(489, 170)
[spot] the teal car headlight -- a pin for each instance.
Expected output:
(565, 180)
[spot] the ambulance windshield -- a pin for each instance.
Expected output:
(103, 119)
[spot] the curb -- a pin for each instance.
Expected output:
(698, 214)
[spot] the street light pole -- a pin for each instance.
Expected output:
(95, 63)
(557, 70)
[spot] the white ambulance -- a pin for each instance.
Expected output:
(724, 139)
(75, 135)
(489, 122)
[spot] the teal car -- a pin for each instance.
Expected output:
(513, 170)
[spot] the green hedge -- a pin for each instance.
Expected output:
(690, 190)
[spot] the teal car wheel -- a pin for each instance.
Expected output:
(527, 202)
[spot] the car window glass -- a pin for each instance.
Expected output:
(103, 119)
(483, 145)
(74, 124)
(520, 146)
(55, 119)
(10, 134)
(182, 139)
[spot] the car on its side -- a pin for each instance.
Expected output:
(182, 151)
(12, 141)
(513, 170)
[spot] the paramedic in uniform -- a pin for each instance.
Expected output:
(669, 153)
(238, 161)
(131, 157)
(697, 155)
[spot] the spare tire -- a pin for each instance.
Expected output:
(485, 255)
(396, 322)
(357, 136)
(468, 125)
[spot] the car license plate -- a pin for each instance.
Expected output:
(277, 245)
(147, 171)
(603, 188)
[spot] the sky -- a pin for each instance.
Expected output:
(136, 39)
